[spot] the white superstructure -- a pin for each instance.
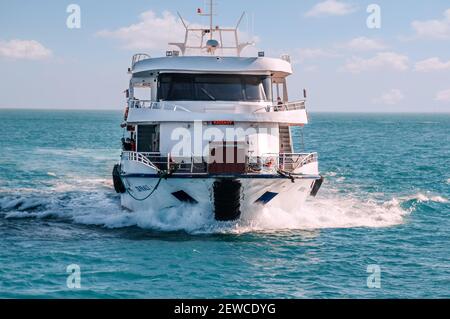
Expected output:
(212, 130)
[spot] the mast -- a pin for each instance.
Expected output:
(212, 44)
(210, 15)
(210, 18)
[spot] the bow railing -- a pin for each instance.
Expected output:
(269, 163)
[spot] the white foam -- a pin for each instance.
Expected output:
(439, 199)
(189, 219)
(334, 212)
(20, 203)
(420, 197)
(93, 202)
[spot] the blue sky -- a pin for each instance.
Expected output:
(404, 66)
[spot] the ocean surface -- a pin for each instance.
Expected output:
(384, 206)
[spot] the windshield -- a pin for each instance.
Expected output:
(214, 87)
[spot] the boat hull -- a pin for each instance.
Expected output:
(227, 197)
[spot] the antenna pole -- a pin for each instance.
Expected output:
(182, 20)
(240, 20)
(210, 19)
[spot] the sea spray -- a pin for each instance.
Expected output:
(96, 204)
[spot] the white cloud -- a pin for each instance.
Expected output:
(24, 49)
(436, 29)
(383, 60)
(443, 96)
(150, 33)
(365, 44)
(301, 55)
(391, 97)
(153, 33)
(432, 64)
(311, 68)
(331, 8)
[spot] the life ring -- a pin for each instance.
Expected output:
(269, 163)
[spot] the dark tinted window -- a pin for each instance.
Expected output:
(177, 87)
(148, 138)
(214, 87)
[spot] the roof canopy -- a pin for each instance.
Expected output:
(212, 64)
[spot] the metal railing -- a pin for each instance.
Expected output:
(147, 104)
(138, 57)
(142, 158)
(268, 163)
(290, 106)
(293, 161)
(179, 165)
(137, 104)
(284, 161)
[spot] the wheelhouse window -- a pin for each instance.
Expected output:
(214, 87)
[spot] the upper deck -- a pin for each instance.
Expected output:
(242, 89)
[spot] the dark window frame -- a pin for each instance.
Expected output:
(194, 87)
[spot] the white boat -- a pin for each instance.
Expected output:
(214, 131)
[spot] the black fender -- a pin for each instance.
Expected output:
(117, 180)
(316, 186)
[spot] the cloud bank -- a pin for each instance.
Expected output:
(434, 29)
(24, 49)
(391, 97)
(331, 8)
(383, 60)
(150, 33)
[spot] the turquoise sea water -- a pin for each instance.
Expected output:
(385, 202)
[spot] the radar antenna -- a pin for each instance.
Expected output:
(211, 44)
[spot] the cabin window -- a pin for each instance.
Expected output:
(148, 138)
(214, 87)
(142, 93)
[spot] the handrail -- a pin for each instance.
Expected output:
(289, 106)
(301, 159)
(157, 162)
(138, 57)
(306, 160)
(271, 162)
(139, 157)
(148, 104)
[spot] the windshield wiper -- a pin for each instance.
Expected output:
(208, 94)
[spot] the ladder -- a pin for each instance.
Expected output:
(286, 162)
(285, 138)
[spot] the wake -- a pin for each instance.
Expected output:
(94, 202)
